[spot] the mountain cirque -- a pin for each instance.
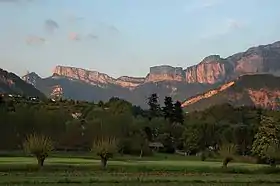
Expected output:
(181, 84)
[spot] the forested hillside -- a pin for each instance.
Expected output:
(74, 125)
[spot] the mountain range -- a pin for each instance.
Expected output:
(213, 73)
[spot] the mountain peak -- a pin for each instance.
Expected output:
(31, 78)
(211, 58)
(33, 74)
(11, 83)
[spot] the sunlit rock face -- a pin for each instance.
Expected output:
(88, 76)
(165, 73)
(210, 70)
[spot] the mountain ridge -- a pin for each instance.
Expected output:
(212, 72)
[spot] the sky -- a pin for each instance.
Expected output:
(127, 37)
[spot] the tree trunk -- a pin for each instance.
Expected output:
(226, 161)
(104, 162)
(272, 163)
(141, 153)
(40, 161)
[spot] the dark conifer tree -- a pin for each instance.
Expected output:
(178, 113)
(154, 107)
(168, 109)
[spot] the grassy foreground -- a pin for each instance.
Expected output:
(81, 171)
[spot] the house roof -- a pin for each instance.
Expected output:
(156, 144)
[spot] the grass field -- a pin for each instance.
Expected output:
(133, 171)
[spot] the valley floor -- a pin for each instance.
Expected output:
(81, 171)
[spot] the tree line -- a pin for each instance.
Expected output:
(118, 126)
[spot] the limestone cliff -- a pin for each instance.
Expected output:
(96, 78)
(92, 77)
(165, 73)
(211, 70)
(214, 69)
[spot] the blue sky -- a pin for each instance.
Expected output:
(126, 37)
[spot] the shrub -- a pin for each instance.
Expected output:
(273, 154)
(39, 146)
(227, 151)
(105, 148)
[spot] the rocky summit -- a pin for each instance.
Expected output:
(212, 72)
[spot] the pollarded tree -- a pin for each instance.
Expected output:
(227, 151)
(100, 104)
(267, 136)
(105, 148)
(39, 146)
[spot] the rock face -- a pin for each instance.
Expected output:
(265, 98)
(261, 59)
(211, 70)
(165, 73)
(31, 78)
(129, 82)
(214, 69)
(57, 91)
(92, 77)
(96, 78)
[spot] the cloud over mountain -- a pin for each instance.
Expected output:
(51, 25)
